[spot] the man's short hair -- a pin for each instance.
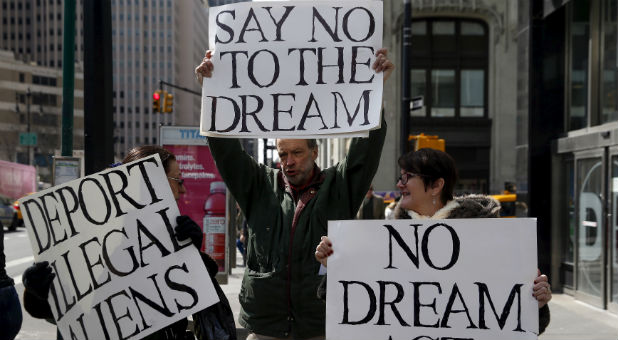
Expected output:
(311, 143)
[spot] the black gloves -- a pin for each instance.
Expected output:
(186, 228)
(37, 279)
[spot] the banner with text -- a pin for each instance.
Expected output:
(109, 238)
(293, 69)
(432, 279)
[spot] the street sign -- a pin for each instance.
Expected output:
(28, 138)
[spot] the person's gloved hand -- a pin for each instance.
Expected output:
(186, 228)
(37, 279)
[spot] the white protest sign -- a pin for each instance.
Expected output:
(432, 279)
(109, 238)
(293, 69)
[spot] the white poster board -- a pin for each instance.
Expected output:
(432, 279)
(109, 238)
(293, 69)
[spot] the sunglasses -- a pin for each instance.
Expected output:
(180, 181)
(406, 176)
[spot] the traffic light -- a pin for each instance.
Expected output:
(168, 102)
(156, 101)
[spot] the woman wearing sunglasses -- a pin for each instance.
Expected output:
(426, 183)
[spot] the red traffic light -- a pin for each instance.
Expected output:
(156, 96)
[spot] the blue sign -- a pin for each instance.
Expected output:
(182, 135)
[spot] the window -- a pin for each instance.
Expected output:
(472, 93)
(579, 38)
(443, 93)
(609, 105)
(449, 68)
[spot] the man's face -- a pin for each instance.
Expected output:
(296, 160)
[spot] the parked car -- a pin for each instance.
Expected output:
(6, 212)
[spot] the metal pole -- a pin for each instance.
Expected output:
(98, 120)
(68, 77)
(28, 97)
(265, 151)
(406, 45)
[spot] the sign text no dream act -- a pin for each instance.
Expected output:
(431, 280)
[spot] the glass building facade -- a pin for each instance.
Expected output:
(572, 98)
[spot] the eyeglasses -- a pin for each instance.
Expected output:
(405, 177)
(180, 181)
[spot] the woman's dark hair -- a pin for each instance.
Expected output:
(431, 165)
(148, 150)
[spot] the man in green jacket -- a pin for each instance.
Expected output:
(287, 211)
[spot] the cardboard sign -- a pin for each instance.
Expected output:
(109, 238)
(432, 279)
(293, 69)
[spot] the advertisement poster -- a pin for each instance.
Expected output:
(205, 199)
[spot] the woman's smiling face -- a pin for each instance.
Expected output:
(413, 192)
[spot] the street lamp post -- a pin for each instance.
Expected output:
(28, 96)
(406, 46)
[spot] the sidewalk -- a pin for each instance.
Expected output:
(231, 290)
(570, 319)
(575, 320)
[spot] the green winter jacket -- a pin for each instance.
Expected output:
(278, 293)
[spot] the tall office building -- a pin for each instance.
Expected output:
(153, 41)
(32, 29)
(31, 37)
(31, 103)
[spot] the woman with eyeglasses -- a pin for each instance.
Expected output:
(426, 183)
(214, 322)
